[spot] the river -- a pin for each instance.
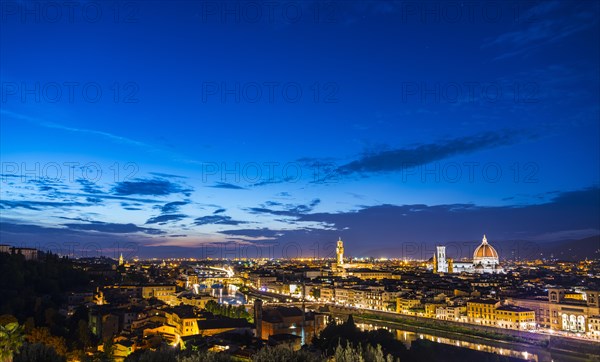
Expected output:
(407, 337)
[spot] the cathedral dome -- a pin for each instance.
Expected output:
(485, 250)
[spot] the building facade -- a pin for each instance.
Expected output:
(559, 313)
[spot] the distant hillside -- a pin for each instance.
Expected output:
(568, 250)
(573, 249)
(563, 249)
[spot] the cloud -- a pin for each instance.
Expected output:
(314, 203)
(114, 228)
(46, 184)
(292, 210)
(217, 219)
(18, 228)
(67, 241)
(545, 24)
(225, 185)
(166, 175)
(172, 206)
(381, 230)
(274, 181)
(74, 218)
(154, 187)
(38, 205)
(404, 158)
(219, 211)
(89, 187)
(414, 230)
(107, 135)
(254, 233)
(162, 219)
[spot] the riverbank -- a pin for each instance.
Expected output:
(548, 348)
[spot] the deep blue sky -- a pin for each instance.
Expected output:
(270, 124)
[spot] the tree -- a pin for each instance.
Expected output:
(228, 310)
(37, 352)
(7, 318)
(358, 354)
(11, 340)
(206, 357)
(108, 350)
(281, 353)
(84, 334)
(42, 335)
(161, 355)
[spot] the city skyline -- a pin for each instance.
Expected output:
(304, 180)
(352, 120)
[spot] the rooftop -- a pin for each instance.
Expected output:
(514, 308)
(483, 301)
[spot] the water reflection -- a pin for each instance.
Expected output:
(408, 337)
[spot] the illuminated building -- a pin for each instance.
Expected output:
(406, 303)
(440, 263)
(485, 260)
(560, 313)
(339, 252)
(326, 295)
(162, 292)
(451, 312)
(289, 320)
(513, 317)
(28, 253)
(365, 274)
(594, 327)
(490, 312)
(482, 311)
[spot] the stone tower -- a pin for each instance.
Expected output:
(339, 251)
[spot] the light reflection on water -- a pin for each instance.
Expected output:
(408, 337)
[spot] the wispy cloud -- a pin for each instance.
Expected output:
(38, 205)
(167, 175)
(114, 228)
(404, 158)
(171, 207)
(225, 185)
(549, 23)
(162, 219)
(287, 210)
(217, 219)
(39, 122)
(154, 187)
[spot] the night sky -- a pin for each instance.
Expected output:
(204, 128)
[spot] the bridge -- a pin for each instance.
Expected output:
(204, 271)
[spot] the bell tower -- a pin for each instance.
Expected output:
(442, 263)
(339, 251)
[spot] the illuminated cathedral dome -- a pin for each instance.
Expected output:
(485, 251)
(485, 258)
